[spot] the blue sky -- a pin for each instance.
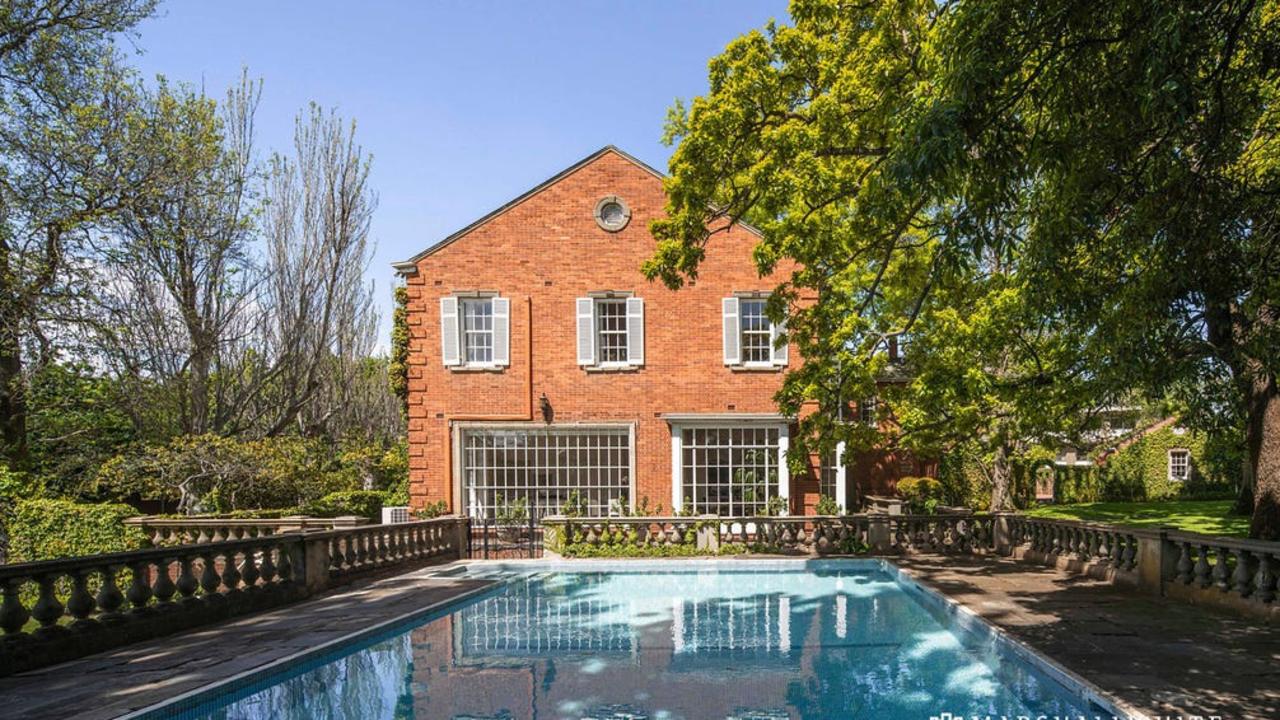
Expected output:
(463, 105)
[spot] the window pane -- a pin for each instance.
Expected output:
(611, 330)
(729, 471)
(757, 332)
(477, 330)
(544, 467)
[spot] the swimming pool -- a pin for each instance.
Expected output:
(661, 640)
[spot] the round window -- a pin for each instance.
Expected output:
(612, 213)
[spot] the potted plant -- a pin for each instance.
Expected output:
(513, 520)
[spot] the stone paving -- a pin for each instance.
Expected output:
(115, 683)
(1162, 657)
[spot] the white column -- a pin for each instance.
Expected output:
(784, 475)
(842, 491)
(677, 500)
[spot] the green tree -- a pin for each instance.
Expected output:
(1125, 155)
(61, 171)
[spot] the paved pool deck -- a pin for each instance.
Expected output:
(115, 683)
(1161, 657)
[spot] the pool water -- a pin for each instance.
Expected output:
(834, 639)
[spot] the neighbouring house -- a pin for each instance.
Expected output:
(543, 364)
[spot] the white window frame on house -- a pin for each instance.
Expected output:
(457, 340)
(702, 456)
(601, 472)
(868, 409)
(475, 322)
(743, 317)
(833, 477)
(1186, 464)
(598, 331)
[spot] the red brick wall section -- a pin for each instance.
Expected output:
(543, 254)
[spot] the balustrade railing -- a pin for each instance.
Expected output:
(198, 530)
(55, 610)
(820, 534)
(1242, 569)
(1102, 545)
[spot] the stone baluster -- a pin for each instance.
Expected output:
(231, 574)
(1119, 546)
(1095, 544)
(187, 583)
(1265, 580)
(284, 566)
(249, 569)
(163, 589)
(1203, 572)
(110, 599)
(1130, 552)
(47, 610)
(267, 570)
(1221, 572)
(80, 604)
(209, 578)
(1185, 567)
(139, 594)
(1242, 578)
(13, 616)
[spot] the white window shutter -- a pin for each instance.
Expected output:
(449, 337)
(501, 331)
(732, 333)
(779, 349)
(586, 331)
(635, 331)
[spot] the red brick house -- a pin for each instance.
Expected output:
(542, 362)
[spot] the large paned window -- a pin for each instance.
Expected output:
(830, 474)
(1179, 464)
(543, 466)
(730, 471)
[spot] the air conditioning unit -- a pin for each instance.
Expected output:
(396, 514)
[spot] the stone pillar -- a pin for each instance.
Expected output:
(315, 565)
(461, 533)
(708, 535)
(878, 533)
(1003, 540)
(1156, 558)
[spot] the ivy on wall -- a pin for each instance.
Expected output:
(399, 366)
(45, 529)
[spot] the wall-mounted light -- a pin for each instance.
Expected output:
(544, 405)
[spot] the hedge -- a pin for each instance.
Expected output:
(47, 529)
(361, 503)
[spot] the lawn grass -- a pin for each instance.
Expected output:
(1210, 517)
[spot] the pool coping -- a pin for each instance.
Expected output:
(191, 700)
(965, 618)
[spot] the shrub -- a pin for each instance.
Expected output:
(361, 503)
(922, 494)
(826, 506)
(45, 529)
(576, 506)
(430, 510)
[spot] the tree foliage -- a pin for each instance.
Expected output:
(1121, 158)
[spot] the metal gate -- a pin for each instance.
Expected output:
(490, 540)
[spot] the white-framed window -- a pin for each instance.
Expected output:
(867, 408)
(1179, 464)
(610, 331)
(542, 467)
(730, 470)
(475, 330)
(757, 333)
(751, 339)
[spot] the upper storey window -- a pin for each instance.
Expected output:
(475, 331)
(610, 331)
(750, 337)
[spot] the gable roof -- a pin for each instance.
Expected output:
(410, 266)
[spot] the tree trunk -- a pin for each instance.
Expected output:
(13, 398)
(1001, 479)
(1263, 442)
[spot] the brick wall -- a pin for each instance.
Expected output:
(543, 253)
